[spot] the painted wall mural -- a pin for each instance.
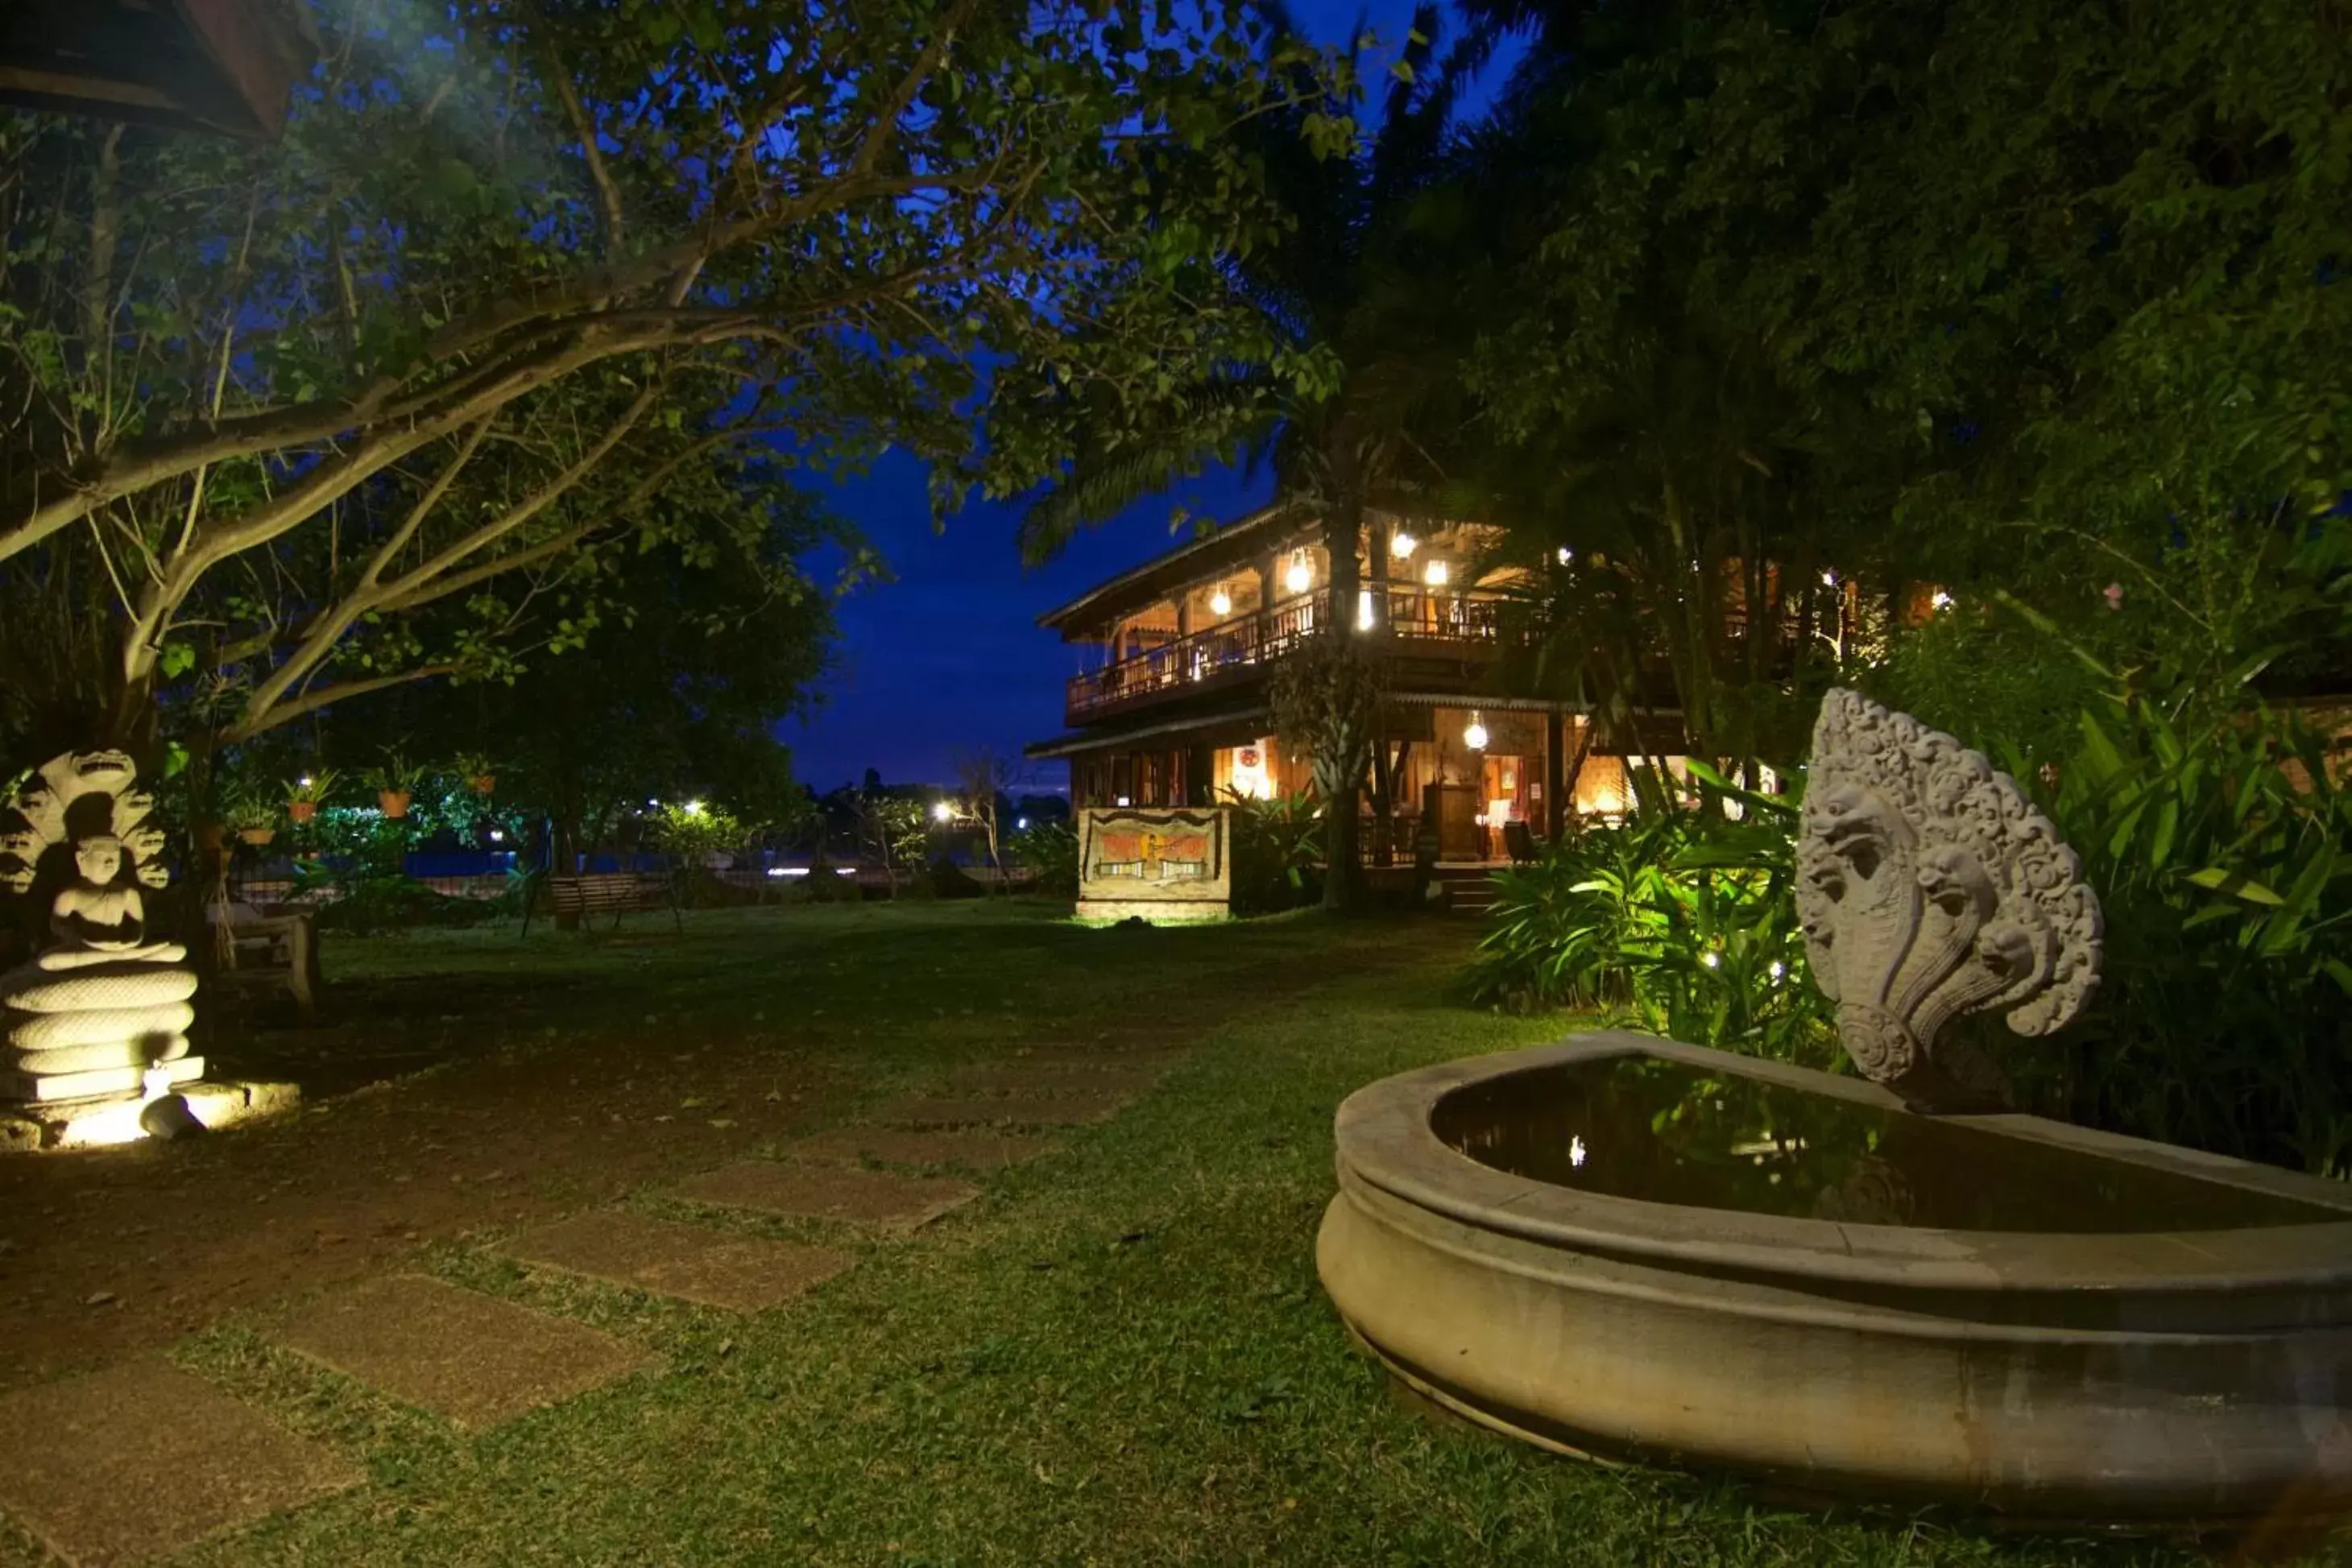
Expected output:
(1134, 856)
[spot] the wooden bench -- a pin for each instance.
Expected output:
(616, 893)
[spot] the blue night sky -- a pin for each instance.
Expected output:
(949, 657)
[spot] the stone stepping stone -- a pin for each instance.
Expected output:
(472, 1358)
(1071, 1109)
(143, 1460)
(692, 1262)
(1052, 1081)
(1156, 1056)
(973, 1148)
(882, 1198)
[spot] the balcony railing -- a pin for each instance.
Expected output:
(1244, 646)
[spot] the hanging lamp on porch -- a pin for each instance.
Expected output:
(1474, 735)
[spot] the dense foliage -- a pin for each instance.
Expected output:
(1680, 920)
(1048, 852)
(523, 291)
(1278, 846)
(2221, 853)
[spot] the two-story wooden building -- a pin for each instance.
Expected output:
(1171, 704)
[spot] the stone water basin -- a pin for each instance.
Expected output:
(1623, 1246)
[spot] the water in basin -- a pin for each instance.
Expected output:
(1646, 1127)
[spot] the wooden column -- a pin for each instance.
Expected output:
(1556, 785)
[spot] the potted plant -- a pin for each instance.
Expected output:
(304, 796)
(254, 818)
(480, 774)
(395, 784)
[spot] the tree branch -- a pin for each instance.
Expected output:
(608, 195)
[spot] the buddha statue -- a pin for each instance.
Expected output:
(103, 1013)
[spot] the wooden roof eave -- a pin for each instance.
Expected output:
(221, 66)
(1240, 542)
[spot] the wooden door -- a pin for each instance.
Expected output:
(1455, 809)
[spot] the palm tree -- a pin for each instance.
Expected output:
(1366, 301)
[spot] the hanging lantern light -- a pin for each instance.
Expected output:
(1475, 736)
(1221, 603)
(1401, 545)
(1301, 576)
(1435, 574)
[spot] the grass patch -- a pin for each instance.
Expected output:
(1118, 1354)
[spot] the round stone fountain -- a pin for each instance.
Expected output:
(1888, 1289)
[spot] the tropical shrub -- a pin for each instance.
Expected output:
(2220, 849)
(1681, 921)
(1277, 847)
(1050, 852)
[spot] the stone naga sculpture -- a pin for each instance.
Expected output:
(1928, 888)
(104, 1013)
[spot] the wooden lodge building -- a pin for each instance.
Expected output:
(1171, 706)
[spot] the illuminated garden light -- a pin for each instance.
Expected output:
(943, 812)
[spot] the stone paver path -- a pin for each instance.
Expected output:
(472, 1358)
(143, 1459)
(1079, 1056)
(1055, 1079)
(692, 1262)
(146, 1459)
(973, 1148)
(1070, 1110)
(817, 1192)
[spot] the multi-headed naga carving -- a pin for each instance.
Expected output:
(1928, 887)
(103, 1012)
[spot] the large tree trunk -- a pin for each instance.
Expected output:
(1341, 776)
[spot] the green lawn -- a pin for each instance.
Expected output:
(1119, 1354)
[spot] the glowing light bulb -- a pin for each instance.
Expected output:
(1577, 1153)
(1301, 576)
(1435, 574)
(694, 807)
(1221, 603)
(944, 812)
(1475, 736)
(1401, 544)
(1711, 960)
(1566, 555)
(1940, 601)
(1829, 579)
